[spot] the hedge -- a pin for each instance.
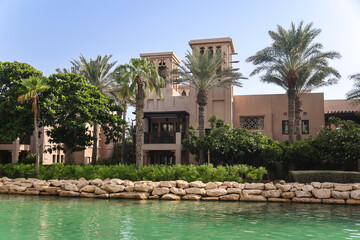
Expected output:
(205, 173)
(325, 176)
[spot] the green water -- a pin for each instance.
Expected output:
(33, 217)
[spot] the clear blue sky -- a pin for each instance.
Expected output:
(47, 34)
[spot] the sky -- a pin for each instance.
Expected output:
(47, 34)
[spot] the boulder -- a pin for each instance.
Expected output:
(228, 184)
(194, 190)
(271, 193)
(255, 198)
(154, 184)
(128, 183)
(210, 198)
(356, 186)
(191, 197)
(333, 201)
(327, 185)
(16, 188)
(307, 188)
(70, 187)
(112, 188)
(130, 195)
(182, 184)
(316, 184)
(82, 183)
(68, 194)
(167, 184)
(252, 192)
(270, 186)
(352, 201)
(283, 188)
(52, 190)
(100, 191)
(97, 182)
(142, 188)
(31, 191)
(306, 200)
(288, 194)
(197, 184)
(178, 191)
(321, 193)
(230, 197)
(355, 194)
(87, 194)
(160, 191)
(56, 183)
(279, 200)
(216, 192)
(88, 188)
(238, 185)
(303, 194)
(233, 190)
(210, 185)
(342, 187)
(259, 186)
(116, 181)
(340, 195)
(170, 196)
(129, 188)
(27, 185)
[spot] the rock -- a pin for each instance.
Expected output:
(233, 190)
(56, 183)
(4, 189)
(116, 181)
(230, 197)
(82, 183)
(170, 196)
(355, 194)
(130, 195)
(154, 184)
(142, 188)
(321, 193)
(228, 184)
(16, 188)
(254, 186)
(112, 188)
(356, 186)
(129, 188)
(68, 194)
(282, 182)
(216, 192)
(255, 198)
(210, 185)
(178, 191)
(316, 184)
(239, 185)
(340, 195)
(191, 197)
(1, 184)
(97, 182)
(88, 188)
(210, 198)
(197, 184)
(271, 193)
(333, 201)
(327, 185)
(297, 186)
(303, 194)
(128, 183)
(194, 190)
(342, 187)
(88, 194)
(182, 184)
(352, 201)
(283, 188)
(31, 192)
(70, 187)
(52, 190)
(279, 200)
(306, 200)
(41, 183)
(270, 186)
(27, 185)
(160, 191)
(307, 188)
(100, 191)
(252, 192)
(167, 184)
(288, 194)
(223, 187)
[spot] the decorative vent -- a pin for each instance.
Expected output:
(252, 123)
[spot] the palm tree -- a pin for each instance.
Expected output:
(291, 52)
(97, 73)
(33, 86)
(202, 71)
(355, 92)
(310, 79)
(122, 93)
(142, 76)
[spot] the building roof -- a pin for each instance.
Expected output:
(213, 40)
(160, 55)
(340, 106)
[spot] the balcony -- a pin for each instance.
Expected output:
(159, 138)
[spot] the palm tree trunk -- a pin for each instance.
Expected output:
(139, 125)
(69, 156)
(291, 110)
(95, 145)
(36, 143)
(123, 134)
(298, 110)
(202, 101)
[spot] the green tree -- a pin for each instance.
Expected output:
(142, 76)
(71, 105)
(292, 52)
(97, 72)
(33, 86)
(355, 92)
(202, 71)
(17, 119)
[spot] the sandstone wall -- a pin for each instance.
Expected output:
(314, 192)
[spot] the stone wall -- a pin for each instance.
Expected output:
(314, 192)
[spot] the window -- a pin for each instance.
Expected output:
(202, 49)
(53, 158)
(252, 123)
(285, 127)
(210, 49)
(305, 126)
(62, 158)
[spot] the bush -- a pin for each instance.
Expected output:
(205, 173)
(325, 176)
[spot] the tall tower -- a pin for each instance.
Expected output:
(219, 99)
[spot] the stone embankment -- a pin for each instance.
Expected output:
(314, 192)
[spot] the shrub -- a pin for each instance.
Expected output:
(325, 176)
(205, 173)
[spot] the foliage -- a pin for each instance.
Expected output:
(325, 176)
(205, 173)
(19, 117)
(355, 92)
(29, 159)
(71, 105)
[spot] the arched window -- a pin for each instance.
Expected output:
(162, 69)
(202, 50)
